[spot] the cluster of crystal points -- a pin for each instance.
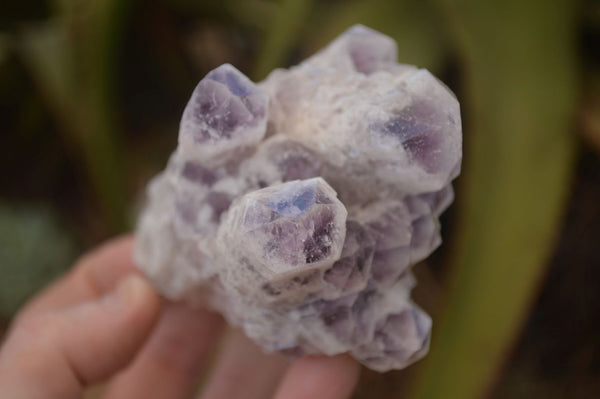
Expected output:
(296, 206)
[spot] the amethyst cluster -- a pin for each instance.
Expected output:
(297, 206)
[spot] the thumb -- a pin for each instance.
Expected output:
(56, 355)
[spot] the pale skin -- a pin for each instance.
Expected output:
(102, 323)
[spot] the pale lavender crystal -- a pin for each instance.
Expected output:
(297, 206)
(399, 336)
(226, 112)
(352, 271)
(287, 234)
(281, 159)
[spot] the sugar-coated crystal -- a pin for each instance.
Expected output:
(297, 206)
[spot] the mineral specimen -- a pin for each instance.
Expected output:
(297, 206)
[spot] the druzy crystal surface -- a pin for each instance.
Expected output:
(297, 206)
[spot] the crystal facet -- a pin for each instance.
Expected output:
(297, 206)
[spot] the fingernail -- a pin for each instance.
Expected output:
(129, 291)
(132, 289)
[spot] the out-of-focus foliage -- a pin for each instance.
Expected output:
(417, 27)
(91, 93)
(34, 249)
(71, 57)
(282, 33)
(590, 114)
(519, 150)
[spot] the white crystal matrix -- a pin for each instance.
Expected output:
(297, 206)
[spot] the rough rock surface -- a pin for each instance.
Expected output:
(297, 206)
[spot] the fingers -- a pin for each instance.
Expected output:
(57, 354)
(244, 371)
(94, 275)
(320, 377)
(171, 361)
(80, 330)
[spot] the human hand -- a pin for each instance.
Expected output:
(102, 322)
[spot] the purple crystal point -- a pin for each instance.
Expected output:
(292, 160)
(287, 232)
(226, 111)
(352, 271)
(400, 339)
(360, 49)
(304, 227)
(417, 137)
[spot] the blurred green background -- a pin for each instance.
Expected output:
(91, 92)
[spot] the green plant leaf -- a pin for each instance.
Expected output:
(72, 59)
(519, 82)
(589, 114)
(281, 35)
(34, 249)
(252, 13)
(414, 24)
